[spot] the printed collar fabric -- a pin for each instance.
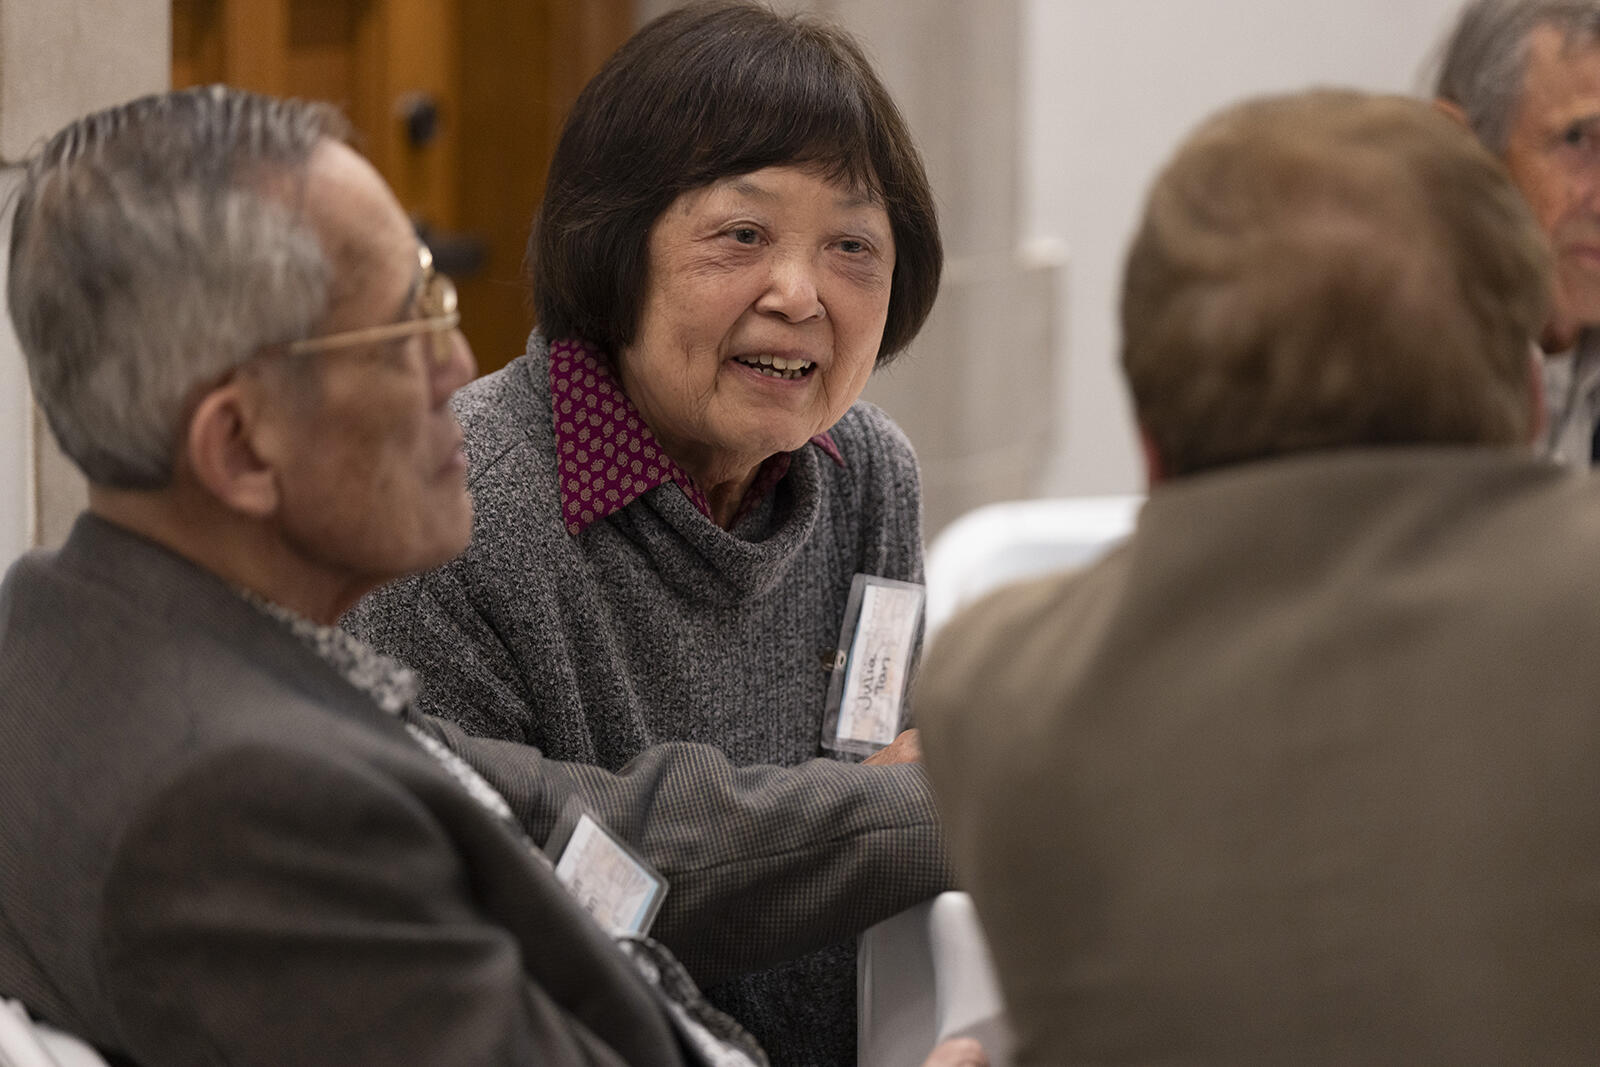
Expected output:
(607, 457)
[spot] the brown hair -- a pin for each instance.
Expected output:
(1327, 270)
(702, 93)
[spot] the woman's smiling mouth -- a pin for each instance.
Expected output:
(777, 366)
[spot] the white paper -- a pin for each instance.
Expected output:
(880, 655)
(611, 885)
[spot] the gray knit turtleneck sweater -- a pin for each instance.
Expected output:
(656, 625)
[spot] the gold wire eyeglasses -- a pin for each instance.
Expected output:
(436, 300)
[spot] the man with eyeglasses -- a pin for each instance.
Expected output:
(225, 836)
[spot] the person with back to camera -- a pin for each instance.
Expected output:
(676, 487)
(1304, 771)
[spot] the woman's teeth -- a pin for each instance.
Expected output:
(777, 366)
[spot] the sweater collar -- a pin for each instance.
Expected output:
(608, 458)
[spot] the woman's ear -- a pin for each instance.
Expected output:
(222, 450)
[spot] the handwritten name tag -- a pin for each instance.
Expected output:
(877, 643)
(614, 885)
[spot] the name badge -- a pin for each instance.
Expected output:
(612, 882)
(882, 620)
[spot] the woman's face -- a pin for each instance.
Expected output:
(763, 312)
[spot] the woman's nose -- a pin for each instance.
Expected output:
(792, 291)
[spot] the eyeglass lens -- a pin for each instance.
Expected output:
(438, 300)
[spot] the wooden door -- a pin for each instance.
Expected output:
(458, 104)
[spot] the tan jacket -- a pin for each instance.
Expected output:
(1307, 772)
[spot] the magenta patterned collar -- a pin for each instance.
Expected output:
(608, 457)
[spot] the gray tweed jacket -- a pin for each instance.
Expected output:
(214, 849)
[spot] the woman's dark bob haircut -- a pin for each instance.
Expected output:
(707, 92)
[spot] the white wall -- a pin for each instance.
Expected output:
(58, 59)
(1111, 87)
(16, 510)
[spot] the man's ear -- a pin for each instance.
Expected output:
(223, 453)
(1453, 110)
(1155, 469)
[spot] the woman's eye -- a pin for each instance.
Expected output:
(745, 235)
(851, 245)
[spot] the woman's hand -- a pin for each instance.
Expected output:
(907, 748)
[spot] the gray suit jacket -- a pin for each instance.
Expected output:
(1307, 772)
(214, 849)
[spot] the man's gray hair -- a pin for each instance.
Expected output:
(157, 246)
(1486, 57)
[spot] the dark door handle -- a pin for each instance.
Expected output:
(419, 112)
(460, 255)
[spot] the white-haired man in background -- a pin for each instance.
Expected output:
(1525, 76)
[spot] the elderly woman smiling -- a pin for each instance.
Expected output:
(675, 486)
(763, 318)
